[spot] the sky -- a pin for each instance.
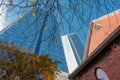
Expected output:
(10, 13)
(2, 18)
(72, 16)
(69, 16)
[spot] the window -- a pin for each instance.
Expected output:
(100, 74)
(98, 27)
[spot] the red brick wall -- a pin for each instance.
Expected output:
(108, 60)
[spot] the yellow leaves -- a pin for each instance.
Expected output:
(79, 4)
(0, 14)
(13, 46)
(4, 61)
(0, 45)
(24, 63)
(21, 16)
(24, 50)
(27, 55)
(15, 22)
(45, 28)
(47, 76)
(32, 53)
(38, 22)
(20, 48)
(6, 44)
(32, 3)
(48, 67)
(33, 12)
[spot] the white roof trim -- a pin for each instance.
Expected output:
(106, 16)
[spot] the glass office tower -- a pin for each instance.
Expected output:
(74, 50)
(38, 36)
(77, 46)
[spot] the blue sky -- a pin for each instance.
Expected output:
(71, 15)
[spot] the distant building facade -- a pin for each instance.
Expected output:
(74, 49)
(42, 38)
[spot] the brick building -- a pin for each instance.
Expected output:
(102, 55)
(106, 57)
(100, 29)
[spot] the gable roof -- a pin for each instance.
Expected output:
(97, 51)
(100, 29)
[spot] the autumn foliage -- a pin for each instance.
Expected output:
(18, 64)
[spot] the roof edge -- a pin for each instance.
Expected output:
(88, 41)
(90, 31)
(12, 23)
(104, 44)
(105, 16)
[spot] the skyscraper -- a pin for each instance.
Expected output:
(38, 36)
(74, 50)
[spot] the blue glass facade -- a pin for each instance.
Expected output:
(77, 47)
(66, 15)
(42, 38)
(77, 18)
(71, 17)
